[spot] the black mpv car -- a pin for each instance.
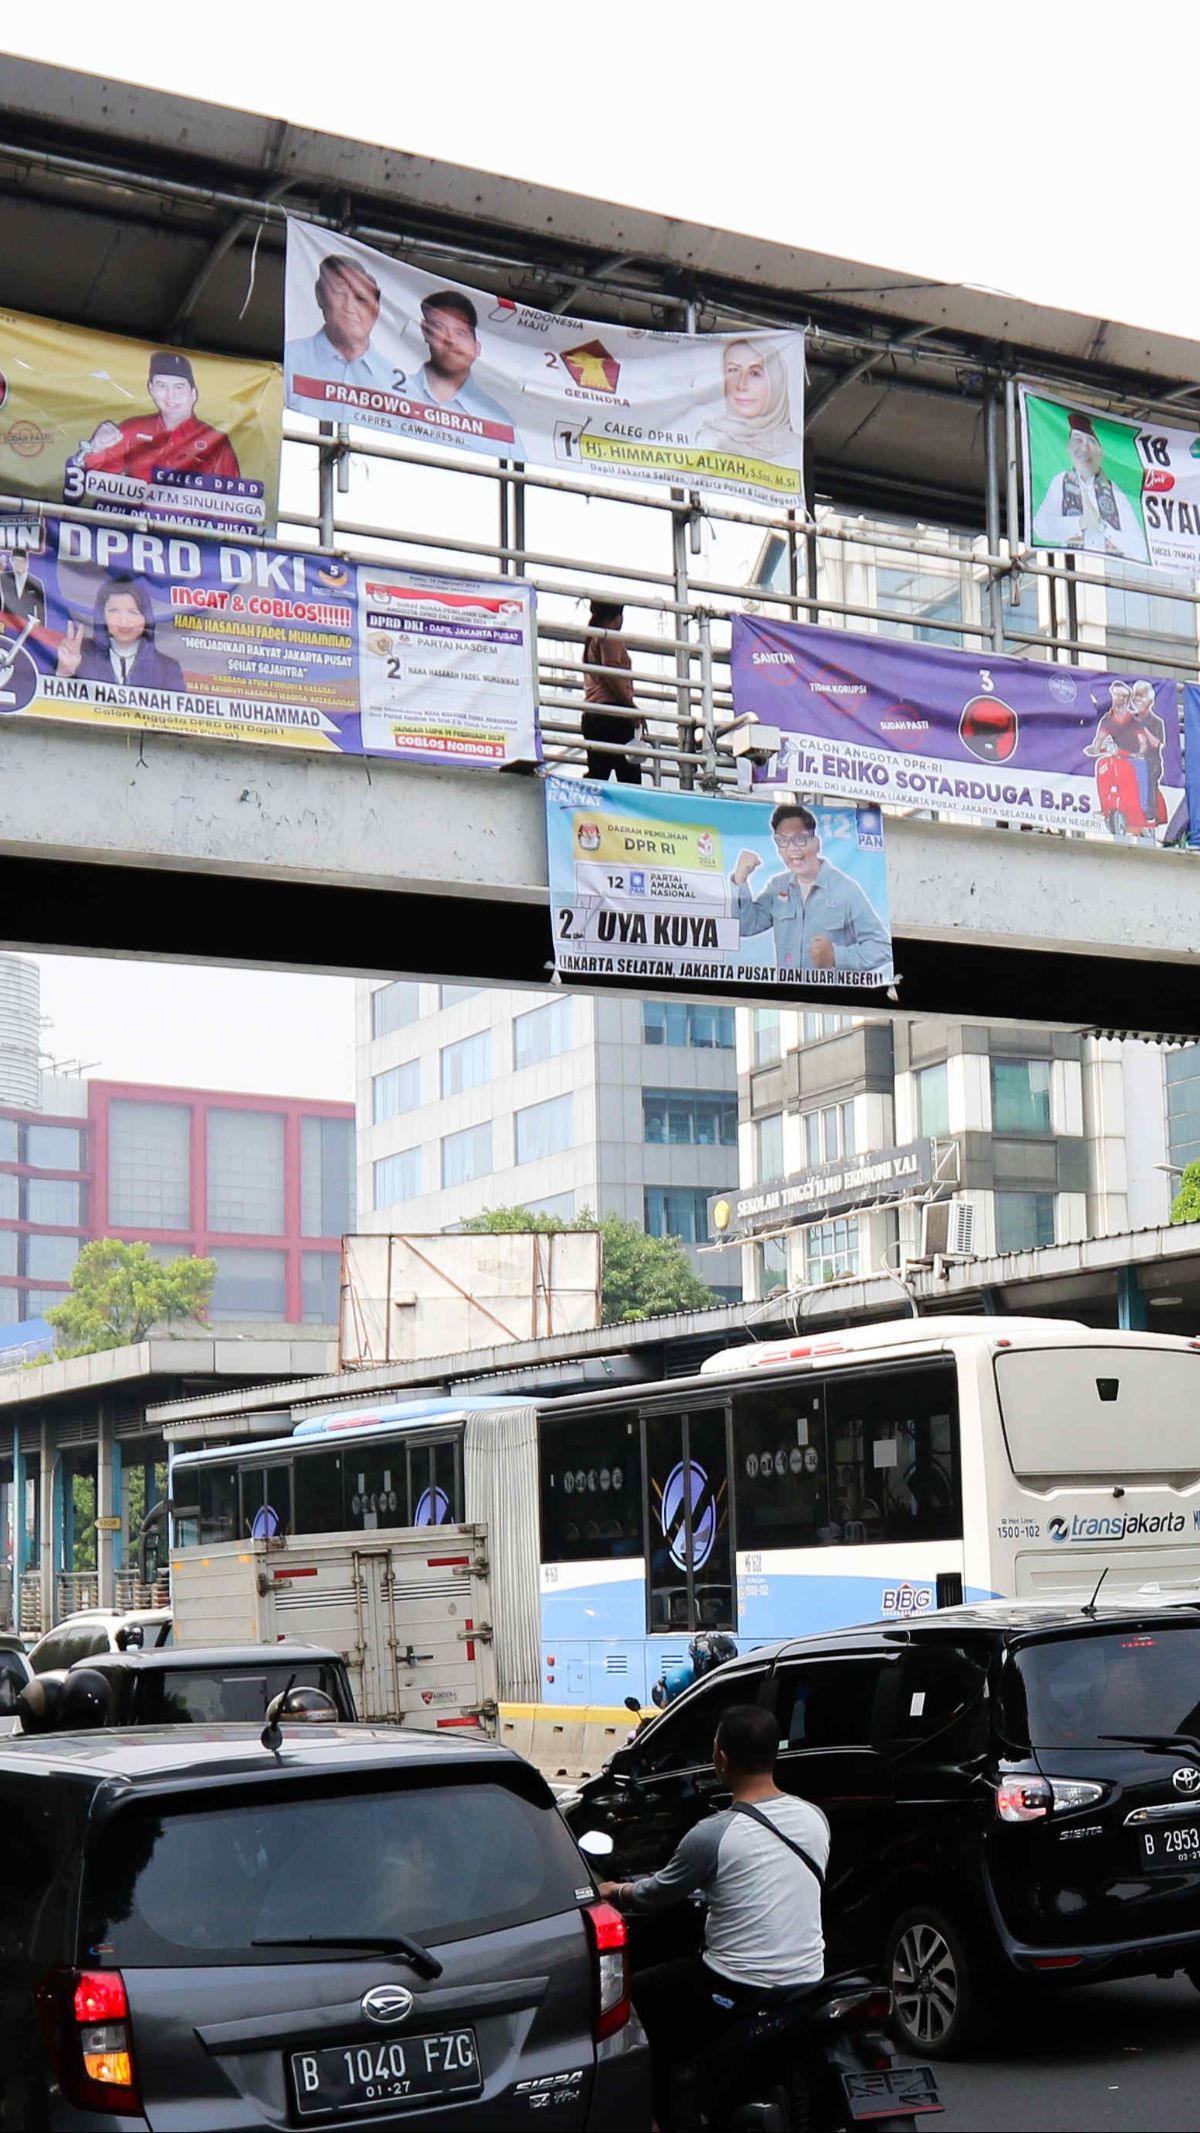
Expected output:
(372, 1927)
(1013, 1791)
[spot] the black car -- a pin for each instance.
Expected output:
(1013, 1791)
(234, 1683)
(370, 1925)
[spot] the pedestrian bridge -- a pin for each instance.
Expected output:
(170, 847)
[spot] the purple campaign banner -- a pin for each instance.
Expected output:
(962, 733)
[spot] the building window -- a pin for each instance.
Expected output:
(542, 1033)
(245, 1172)
(149, 1165)
(467, 1064)
(53, 1147)
(51, 1258)
(923, 597)
(545, 1129)
(9, 1241)
(1183, 1105)
(396, 1093)
(765, 1032)
(685, 1022)
(454, 995)
(1024, 1220)
(830, 1251)
(36, 1302)
(56, 1202)
(10, 1307)
(467, 1155)
(828, 1134)
(248, 1284)
(394, 1007)
(10, 1193)
(679, 1119)
(397, 1178)
(822, 1025)
(933, 1100)
(768, 1144)
(1145, 627)
(772, 1265)
(321, 1284)
(559, 1204)
(9, 1141)
(326, 1176)
(1021, 1096)
(676, 1211)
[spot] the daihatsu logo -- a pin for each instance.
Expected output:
(1187, 1779)
(387, 2003)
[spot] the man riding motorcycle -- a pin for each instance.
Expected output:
(761, 1866)
(708, 1649)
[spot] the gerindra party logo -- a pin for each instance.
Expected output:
(988, 729)
(592, 366)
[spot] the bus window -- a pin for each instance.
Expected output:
(893, 1455)
(317, 1483)
(780, 1466)
(376, 1486)
(266, 1502)
(215, 1489)
(690, 1584)
(434, 1496)
(591, 1489)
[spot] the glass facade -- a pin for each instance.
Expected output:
(394, 1007)
(543, 1033)
(822, 1025)
(686, 1022)
(1183, 1106)
(245, 1172)
(680, 1118)
(397, 1178)
(766, 1035)
(326, 1176)
(467, 1064)
(454, 995)
(321, 1274)
(1024, 1220)
(933, 1099)
(768, 1140)
(51, 1258)
(249, 1284)
(924, 596)
(677, 1211)
(467, 1155)
(545, 1129)
(396, 1093)
(149, 1178)
(54, 1147)
(57, 1202)
(1021, 1096)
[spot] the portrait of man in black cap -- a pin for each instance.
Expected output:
(172, 438)
(1083, 508)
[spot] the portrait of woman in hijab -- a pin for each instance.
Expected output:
(755, 415)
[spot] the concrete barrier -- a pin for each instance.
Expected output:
(566, 1740)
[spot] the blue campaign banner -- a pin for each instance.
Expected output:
(1191, 750)
(681, 887)
(178, 632)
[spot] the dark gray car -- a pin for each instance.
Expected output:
(374, 1927)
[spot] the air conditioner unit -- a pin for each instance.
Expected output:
(947, 1230)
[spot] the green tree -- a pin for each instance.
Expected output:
(643, 1277)
(1185, 1207)
(119, 1291)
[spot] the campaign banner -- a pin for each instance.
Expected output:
(371, 340)
(1098, 485)
(963, 733)
(185, 633)
(679, 887)
(1191, 748)
(116, 425)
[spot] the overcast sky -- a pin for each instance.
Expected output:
(1020, 152)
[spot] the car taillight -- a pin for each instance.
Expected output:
(610, 1944)
(85, 2016)
(1031, 1799)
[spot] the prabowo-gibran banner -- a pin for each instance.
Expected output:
(963, 733)
(236, 642)
(663, 886)
(115, 425)
(1097, 484)
(373, 341)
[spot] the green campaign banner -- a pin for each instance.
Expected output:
(1098, 484)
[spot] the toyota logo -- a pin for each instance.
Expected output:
(387, 2003)
(1187, 1779)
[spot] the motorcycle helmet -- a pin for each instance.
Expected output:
(710, 1648)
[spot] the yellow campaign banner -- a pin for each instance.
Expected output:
(604, 837)
(117, 425)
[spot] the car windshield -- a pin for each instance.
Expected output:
(1078, 1691)
(178, 1886)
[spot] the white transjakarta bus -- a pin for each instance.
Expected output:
(789, 1487)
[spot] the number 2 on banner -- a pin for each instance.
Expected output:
(569, 928)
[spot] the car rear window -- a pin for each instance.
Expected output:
(214, 1694)
(1078, 1691)
(176, 1886)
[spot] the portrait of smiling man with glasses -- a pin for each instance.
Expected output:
(822, 919)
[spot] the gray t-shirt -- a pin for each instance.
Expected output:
(764, 1906)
